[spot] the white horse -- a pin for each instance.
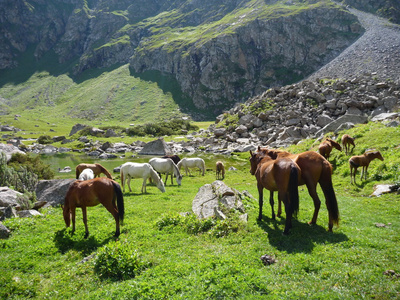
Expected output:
(86, 174)
(167, 166)
(194, 162)
(140, 170)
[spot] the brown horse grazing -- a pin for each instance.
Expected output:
(96, 168)
(282, 175)
(362, 161)
(219, 170)
(92, 192)
(314, 169)
(325, 148)
(346, 142)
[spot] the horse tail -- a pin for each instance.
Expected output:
(121, 173)
(294, 190)
(77, 172)
(104, 170)
(330, 197)
(120, 200)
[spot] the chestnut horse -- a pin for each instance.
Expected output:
(219, 170)
(362, 161)
(325, 148)
(282, 175)
(314, 169)
(92, 192)
(346, 142)
(96, 168)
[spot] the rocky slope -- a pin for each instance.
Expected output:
(364, 84)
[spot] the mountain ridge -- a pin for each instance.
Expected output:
(219, 70)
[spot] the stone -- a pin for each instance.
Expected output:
(156, 147)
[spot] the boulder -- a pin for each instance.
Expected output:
(76, 128)
(4, 232)
(9, 197)
(157, 147)
(212, 199)
(53, 191)
(333, 126)
(9, 150)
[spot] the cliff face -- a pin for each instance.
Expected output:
(219, 53)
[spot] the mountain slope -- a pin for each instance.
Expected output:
(207, 55)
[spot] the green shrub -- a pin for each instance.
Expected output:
(118, 261)
(20, 178)
(44, 139)
(31, 163)
(173, 127)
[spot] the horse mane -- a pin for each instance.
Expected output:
(104, 170)
(154, 175)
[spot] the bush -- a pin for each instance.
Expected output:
(118, 261)
(173, 127)
(44, 139)
(31, 163)
(21, 178)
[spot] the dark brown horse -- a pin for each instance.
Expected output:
(92, 192)
(325, 148)
(96, 168)
(314, 169)
(281, 175)
(346, 142)
(362, 161)
(219, 170)
(175, 158)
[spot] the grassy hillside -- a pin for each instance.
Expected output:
(45, 261)
(45, 91)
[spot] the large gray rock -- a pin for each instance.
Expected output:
(4, 232)
(9, 150)
(9, 197)
(157, 147)
(334, 125)
(212, 199)
(76, 128)
(53, 191)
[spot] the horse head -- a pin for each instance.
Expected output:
(161, 186)
(255, 159)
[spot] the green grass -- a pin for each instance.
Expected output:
(44, 261)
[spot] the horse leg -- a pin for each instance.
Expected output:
(129, 183)
(73, 214)
(312, 191)
(283, 197)
(144, 185)
(271, 202)
(84, 215)
(113, 210)
(260, 201)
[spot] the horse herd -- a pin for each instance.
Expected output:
(90, 189)
(275, 170)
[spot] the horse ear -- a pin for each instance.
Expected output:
(251, 153)
(259, 148)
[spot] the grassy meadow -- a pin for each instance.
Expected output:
(42, 260)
